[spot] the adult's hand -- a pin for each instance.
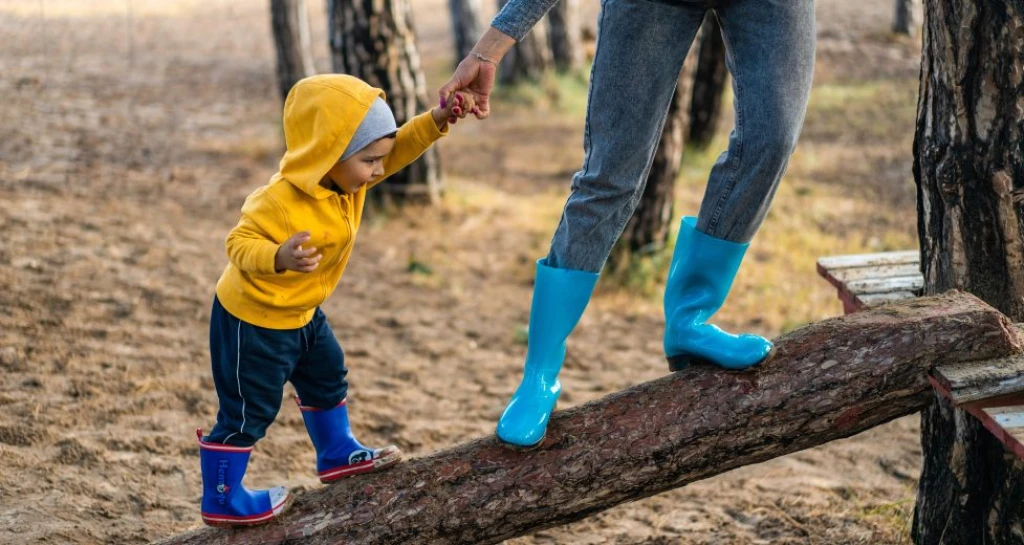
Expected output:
(475, 74)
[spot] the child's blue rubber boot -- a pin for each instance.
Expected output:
(559, 298)
(338, 454)
(225, 501)
(702, 272)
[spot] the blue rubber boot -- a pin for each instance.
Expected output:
(338, 454)
(225, 501)
(559, 298)
(703, 268)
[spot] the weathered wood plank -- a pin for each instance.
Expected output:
(884, 285)
(829, 380)
(982, 380)
(880, 271)
(875, 299)
(870, 260)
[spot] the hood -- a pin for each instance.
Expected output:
(321, 114)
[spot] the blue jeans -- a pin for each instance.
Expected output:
(640, 51)
(252, 363)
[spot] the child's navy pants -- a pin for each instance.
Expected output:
(252, 363)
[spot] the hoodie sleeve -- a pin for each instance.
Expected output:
(413, 138)
(250, 245)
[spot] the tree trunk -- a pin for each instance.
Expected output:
(969, 168)
(903, 20)
(647, 231)
(829, 380)
(528, 60)
(289, 21)
(564, 35)
(708, 83)
(374, 40)
(466, 26)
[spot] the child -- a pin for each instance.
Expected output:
(286, 256)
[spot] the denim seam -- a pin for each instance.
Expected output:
(590, 92)
(731, 182)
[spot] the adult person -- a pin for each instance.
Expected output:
(640, 51)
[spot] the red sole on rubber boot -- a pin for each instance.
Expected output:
(256, 520)
(388, 458)
(682, 361)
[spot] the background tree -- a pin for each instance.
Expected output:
(903, 19)
(969, 168)
(289, 22)
(528, 59)
(374, 40)
(564, 35)
(466, 26)
(708, 83)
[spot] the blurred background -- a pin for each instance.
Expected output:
(132, 130)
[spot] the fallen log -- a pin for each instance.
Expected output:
(829, 380)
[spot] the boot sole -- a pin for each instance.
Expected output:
(521, 448)
(377, 464)
(683, 361)
(244, 523)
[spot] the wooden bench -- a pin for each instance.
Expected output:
(991, 390)
(866, 280)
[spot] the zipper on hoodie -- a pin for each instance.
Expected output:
(347, 216)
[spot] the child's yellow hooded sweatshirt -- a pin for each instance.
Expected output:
(321, 115)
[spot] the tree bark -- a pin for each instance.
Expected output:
(708, 83)
(903, 19)
(564, 35)
(374, 40)
(969, 168)
(647, 231)
(829, 380)
(528, 60)
(289, 22)
(466, 26)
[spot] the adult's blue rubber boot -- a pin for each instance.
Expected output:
(338, 453)
(225, 501)
(559, 298)
(702, 272)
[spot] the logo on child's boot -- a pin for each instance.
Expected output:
(360, 456)
(222, 486)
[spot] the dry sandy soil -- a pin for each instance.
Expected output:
(131, 131)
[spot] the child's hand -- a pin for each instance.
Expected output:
(291, 256)
(458, 106)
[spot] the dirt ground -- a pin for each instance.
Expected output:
(130, 133)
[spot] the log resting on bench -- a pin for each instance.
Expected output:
(829, 380)
(992, 391)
